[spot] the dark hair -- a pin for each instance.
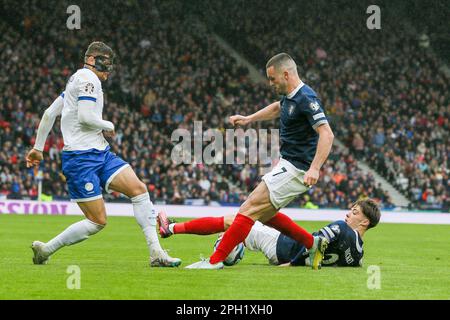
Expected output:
(371, 210)
(99, 48)
(278, 60)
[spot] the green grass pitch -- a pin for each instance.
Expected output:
(414, 261)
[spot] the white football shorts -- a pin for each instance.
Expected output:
(264, 239)
(285, 183)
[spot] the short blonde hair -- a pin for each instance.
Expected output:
(281, 60)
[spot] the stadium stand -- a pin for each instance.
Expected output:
(169, 74)
(387, 93)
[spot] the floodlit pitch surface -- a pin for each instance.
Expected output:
(413, 261)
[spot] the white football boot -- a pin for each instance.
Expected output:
(162, 259)
(205, 264)
(40, 256)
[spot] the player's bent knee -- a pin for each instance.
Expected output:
(100, 221)
(139, 189)
(250, 213)
(250, 207)
(256, 210)
(246, 206)
(143, 197)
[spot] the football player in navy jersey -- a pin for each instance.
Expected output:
(306, 140)
(345, 237)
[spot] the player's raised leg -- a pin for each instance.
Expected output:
(212, 225)
(95, 221)
(200, 226)
(316, 245)
(256, 207)
(128, 183)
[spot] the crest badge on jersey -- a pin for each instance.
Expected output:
(314, 106)
(335, 228)
(291, 109)
(89, 88)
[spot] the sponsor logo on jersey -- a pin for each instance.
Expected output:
(291, 109)
(335, 228)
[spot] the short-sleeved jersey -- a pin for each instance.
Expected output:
(300, 115)
(84, 85)
(345, 248)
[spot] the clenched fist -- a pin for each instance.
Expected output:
(34, 157)
(238, 120)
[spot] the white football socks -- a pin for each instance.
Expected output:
(143, 211)
(145, 215)
(75, 233)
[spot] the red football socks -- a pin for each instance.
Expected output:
(236, 234)
(286, 226)
(203, 226)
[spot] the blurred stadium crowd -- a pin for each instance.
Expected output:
(388, 100)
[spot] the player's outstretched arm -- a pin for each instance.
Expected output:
(48, 119)
(272, 111)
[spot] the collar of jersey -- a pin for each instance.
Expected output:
(359, 241)
(92, 72)
(294, 92)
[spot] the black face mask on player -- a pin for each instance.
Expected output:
(102, 63)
